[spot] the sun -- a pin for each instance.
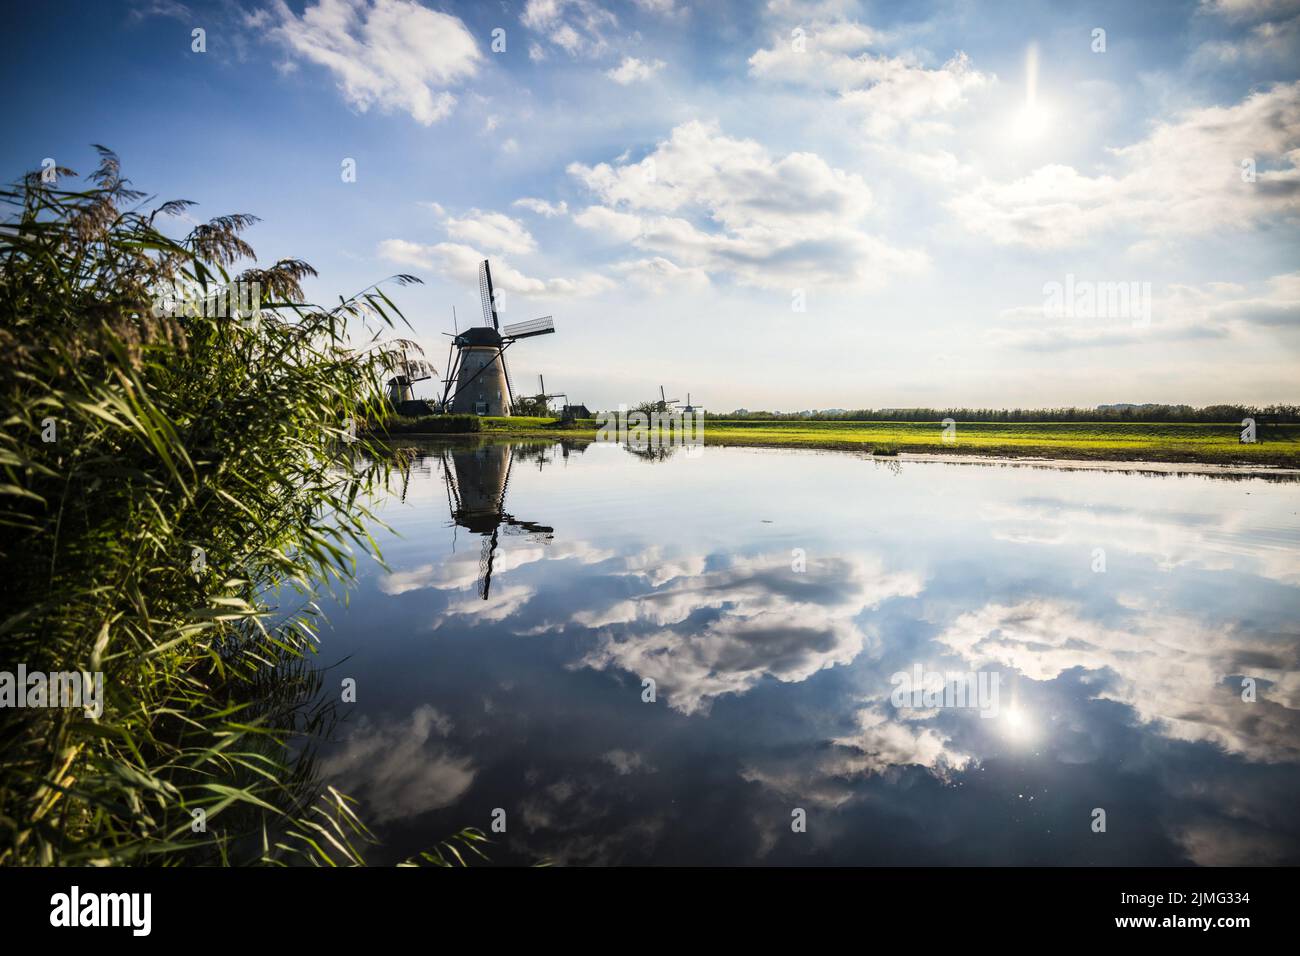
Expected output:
(1017, 724)
(1030, 121)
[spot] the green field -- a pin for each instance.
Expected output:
(1139, 441)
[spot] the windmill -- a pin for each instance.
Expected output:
(406, 371)
(663, 404)
(542, 400)
(688, 408)
(478, 382)
(477, 480)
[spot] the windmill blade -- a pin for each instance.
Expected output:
(486, 295)
(523, 330)
(505, 370)
(453, 373)
(486, 555)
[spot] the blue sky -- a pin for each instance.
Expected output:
(673, 181)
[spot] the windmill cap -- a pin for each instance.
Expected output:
(479, 335)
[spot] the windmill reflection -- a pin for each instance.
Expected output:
(478, 480)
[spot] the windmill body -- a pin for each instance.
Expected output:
(481, 374)
(479, 383)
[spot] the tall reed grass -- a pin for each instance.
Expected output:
(175, 489)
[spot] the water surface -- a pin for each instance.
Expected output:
(770, 595)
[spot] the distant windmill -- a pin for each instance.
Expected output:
(688, 408)
(406, 371)
(542, 399)
(478, 382)
(663, 403)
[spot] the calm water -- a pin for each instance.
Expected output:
(1120, 689)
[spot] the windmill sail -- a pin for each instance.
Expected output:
(523, 330)
(487, 295)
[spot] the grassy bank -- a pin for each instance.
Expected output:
(1104, 441)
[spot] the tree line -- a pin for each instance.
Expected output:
(1279, 414)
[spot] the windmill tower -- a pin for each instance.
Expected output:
(688, 408)
(479, 382)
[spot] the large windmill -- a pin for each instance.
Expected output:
(478, 382)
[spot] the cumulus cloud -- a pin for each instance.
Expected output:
(401, 768)
(705, 200)
(1263, 41)
(657, 274)
(393, 54)
(460, 262)
(1170, 669)
(491, 230)
(1215, 310)
(1250, 9)
(632, 70)
(1222, 540)
(578, 27)
(884, 92)
(1185, 178)
(772, 623)
(663, 8)
(542, 207)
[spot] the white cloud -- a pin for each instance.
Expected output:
(576, 26)
(394, 54)
(773, 222)
(401, 768)
(619, 226)
(772, 623)
(492, 230)
(656, 274)
(1184, 178)
(663, 8)
(542, 207)
(1213, 310)
(884, 92)
(1264, 41)
(632, 70)
(460, 262)
(1172, 670)
(1249, 9)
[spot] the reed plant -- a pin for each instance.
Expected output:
(177, 487)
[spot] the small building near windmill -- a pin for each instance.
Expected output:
(576, 411)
